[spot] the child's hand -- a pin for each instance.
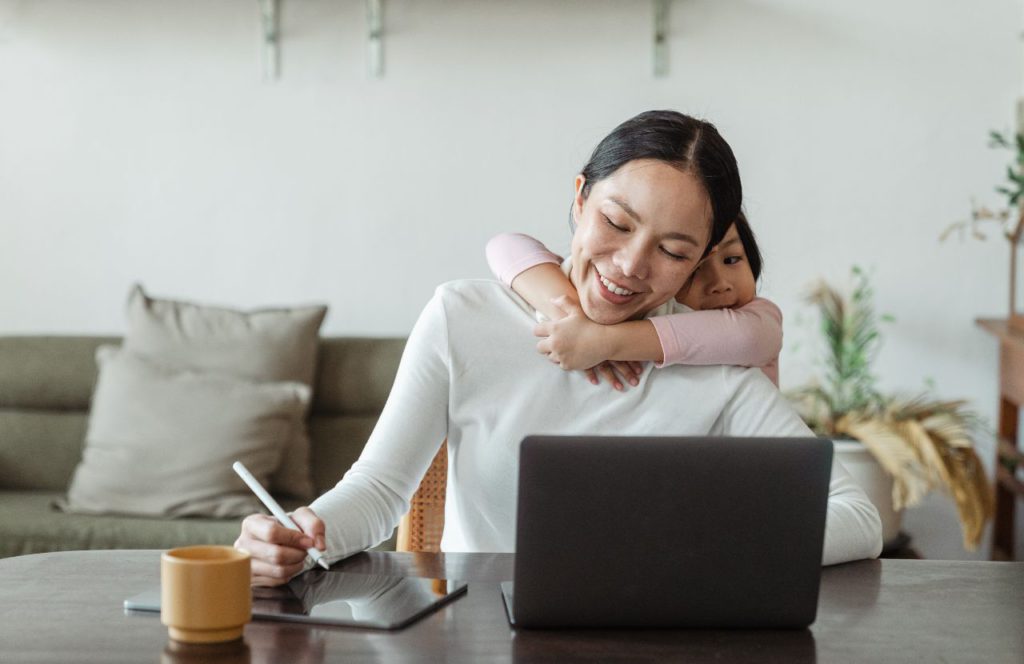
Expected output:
(577, 343)
(574, 342)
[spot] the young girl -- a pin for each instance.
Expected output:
(729, 324)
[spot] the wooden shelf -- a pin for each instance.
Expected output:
(1009, 457)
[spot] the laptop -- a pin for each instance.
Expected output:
(679, 532)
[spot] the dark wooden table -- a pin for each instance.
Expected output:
(66, 607)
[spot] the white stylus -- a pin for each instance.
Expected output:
(275, 509)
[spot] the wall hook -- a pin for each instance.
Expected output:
(271, 15)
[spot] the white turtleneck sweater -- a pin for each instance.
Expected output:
(471, 373)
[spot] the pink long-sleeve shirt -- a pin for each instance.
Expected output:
(748, 336)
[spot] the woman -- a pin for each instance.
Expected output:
(656, 194)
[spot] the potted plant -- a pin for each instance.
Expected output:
(899, 448)
(1008, 219)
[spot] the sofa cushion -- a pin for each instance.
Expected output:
(46, 383)
(161, 441)
(337, 443)
(40, 448)
(29, 523)
(258, 345)
(52, 372)
(355, 375)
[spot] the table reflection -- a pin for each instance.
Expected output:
(783, 646)
(273, 643)
(231, 652)
(379, 601)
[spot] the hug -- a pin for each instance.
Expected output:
(656, 212)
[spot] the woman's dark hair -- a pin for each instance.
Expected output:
(691, 145)
(749, 243)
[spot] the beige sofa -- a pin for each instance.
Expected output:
(45, 387)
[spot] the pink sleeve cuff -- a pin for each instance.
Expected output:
(669, 338)
(511, 254)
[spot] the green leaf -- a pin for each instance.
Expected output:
(997, 140)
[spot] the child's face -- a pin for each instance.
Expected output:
(723, 280)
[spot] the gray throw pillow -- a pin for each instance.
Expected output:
(161, 440)
(258, 345)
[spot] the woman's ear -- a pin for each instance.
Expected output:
(579, 198)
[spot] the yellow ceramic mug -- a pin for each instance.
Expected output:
(204, 593)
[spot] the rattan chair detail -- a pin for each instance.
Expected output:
(422, 527)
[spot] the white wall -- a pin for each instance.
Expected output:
(137, 142)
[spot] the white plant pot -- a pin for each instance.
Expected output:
(875, 482)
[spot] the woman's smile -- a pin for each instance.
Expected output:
(612, 291)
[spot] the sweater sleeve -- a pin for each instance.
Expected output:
(510, 254)
(750, 336)
(853, 529)
(363, 509)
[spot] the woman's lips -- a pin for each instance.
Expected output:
(608, 295)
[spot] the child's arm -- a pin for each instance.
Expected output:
(527, 266)
(524, 264)
(576, 342)
(750, 336)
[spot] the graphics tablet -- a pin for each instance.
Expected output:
(339, 598)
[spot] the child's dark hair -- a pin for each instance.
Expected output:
(749, 244)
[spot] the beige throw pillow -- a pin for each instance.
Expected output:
(161, 441)
(258, 345)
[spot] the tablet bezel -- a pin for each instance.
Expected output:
(149, 602)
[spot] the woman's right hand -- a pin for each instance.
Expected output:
(279, 553)
(613, 370)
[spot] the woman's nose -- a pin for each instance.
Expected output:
(632, 260)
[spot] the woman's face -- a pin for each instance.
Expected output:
(639, 235)
(724, 279)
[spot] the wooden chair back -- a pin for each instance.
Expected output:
(422, 527)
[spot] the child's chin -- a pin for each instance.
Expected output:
(696, 305)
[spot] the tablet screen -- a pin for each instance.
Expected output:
(340, 598)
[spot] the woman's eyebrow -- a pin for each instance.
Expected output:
(682, 236)
(625, 206)
(632, 213)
